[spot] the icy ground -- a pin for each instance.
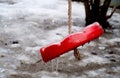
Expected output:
(27, 25)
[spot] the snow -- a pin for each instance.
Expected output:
(92, 73)
(36, 23)
(2, 50)
(102, 48)
(92, 59)
(23, 57)
(2, 70)
(15, 45)
(112, 41)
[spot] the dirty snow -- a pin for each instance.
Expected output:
(28, 25)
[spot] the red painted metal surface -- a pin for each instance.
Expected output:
(71, 42)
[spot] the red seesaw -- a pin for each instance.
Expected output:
(71, 42)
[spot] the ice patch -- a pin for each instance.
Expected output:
(2, 70)
(38, 3)
(92, 59)
(52, 75)
(32, 48)
(113, 41)
(24, 58)
(92, 73)
(15, 45)
(2, 50)
(102, 48)
(116, 69)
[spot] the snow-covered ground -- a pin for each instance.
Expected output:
(28, 25)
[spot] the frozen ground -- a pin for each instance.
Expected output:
(27, 25)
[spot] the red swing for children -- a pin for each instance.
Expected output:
(72, 41)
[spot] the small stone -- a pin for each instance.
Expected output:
(2, 56)
(93, 53)
(5, 43)
(58, 34)
(107, 57)
(112, 60)
(111, 52)
(15, 42)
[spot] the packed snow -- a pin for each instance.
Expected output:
(28, 25)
